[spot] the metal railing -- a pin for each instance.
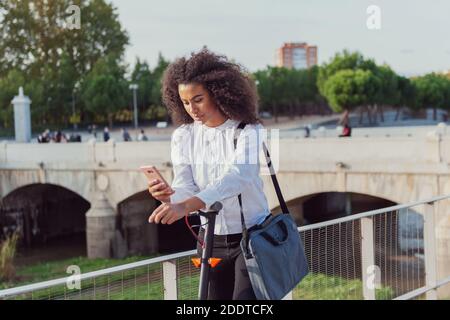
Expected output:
(388, 253)
(379, 254)
(166, 277)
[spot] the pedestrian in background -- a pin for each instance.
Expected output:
(142, 136)
(125, 135)
(106, 134)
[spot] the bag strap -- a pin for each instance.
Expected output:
(240, 127)
(283, 206)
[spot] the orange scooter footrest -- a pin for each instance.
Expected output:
(212, 262)
(196, 262)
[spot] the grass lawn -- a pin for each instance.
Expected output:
(317, 286)
(145, 283)
(139, 283)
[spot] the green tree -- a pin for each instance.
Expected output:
(287, 91)
(155, 92)
(8, 89)
(345, 60)
(33, 33)
(142, 76)
(308, 91)
(389, 93)
(35, 40)
(431, 92)
(407, 95)
(104, 89)
(276, 91)
(348, 89)
(265, 91)
(63, 85)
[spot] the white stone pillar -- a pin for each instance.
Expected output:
(22, 117)
(100, 222)
(100, 228)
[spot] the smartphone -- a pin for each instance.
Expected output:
(152, 174)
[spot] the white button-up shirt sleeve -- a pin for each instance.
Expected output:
(239, 172)
(207, 166)
(183, 183)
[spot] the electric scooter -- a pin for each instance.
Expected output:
(206, 261)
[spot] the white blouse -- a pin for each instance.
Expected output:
(207, 166)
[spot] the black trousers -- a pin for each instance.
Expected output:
(229, 280)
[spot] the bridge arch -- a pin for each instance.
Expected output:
(331, 205)
(397, 235)
(49, 218)
(78, 181)
(144, 238)
(322, 206)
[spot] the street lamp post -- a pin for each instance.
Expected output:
(73, 110)
(134, 87)
(257, 105)
(74, 90)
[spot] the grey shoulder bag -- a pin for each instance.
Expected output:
(273, 250)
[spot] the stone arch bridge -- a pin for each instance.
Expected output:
(105, 175)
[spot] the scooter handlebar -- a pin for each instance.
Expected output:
(215, 207)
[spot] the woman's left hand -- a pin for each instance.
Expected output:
(168, 213)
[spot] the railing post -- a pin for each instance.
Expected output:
(367, 258)
(170, 280)
(429, 248)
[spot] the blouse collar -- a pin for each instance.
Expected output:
(229, 123)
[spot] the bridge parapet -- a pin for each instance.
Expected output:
(390, 152)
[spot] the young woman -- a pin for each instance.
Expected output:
(210, 96)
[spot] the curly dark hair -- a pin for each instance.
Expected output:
(232, 89)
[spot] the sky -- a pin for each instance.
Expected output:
(413, 35)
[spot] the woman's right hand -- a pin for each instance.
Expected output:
(160, 191)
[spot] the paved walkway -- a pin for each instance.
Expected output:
(293, 128)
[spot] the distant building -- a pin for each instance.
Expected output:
(297, 55)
